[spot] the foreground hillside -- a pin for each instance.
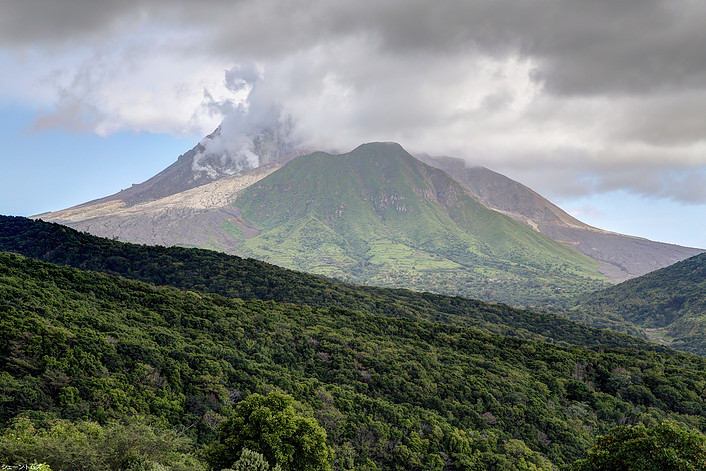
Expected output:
(391, 393)
(234, 277)
(669, 304)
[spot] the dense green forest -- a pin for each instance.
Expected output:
(235, 277)
(669, 304)
(390, 392)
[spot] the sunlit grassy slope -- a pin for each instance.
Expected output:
(377, 215)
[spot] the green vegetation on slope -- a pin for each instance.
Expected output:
(664, 447)
(669, 304)
(63, 445)
(391, 393)
(234, 277)
(379, 216)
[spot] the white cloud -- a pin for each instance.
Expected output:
(135, 83)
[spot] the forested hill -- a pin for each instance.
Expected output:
(234, 277)
(394, 394)
(670, 304)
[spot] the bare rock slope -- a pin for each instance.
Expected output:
(189, 202)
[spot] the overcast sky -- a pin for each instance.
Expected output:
(599, 105)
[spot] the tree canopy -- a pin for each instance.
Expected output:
(663, 447)
(392, 392)
(270, 426)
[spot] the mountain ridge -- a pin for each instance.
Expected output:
(202, 165)
(668, 304)
(622, 256)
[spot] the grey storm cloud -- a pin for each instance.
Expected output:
(628, 46)
(664, 119)
(580, 87)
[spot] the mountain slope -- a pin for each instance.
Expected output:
(207, 162)
(197, 217)
(669, 304)
(379, 216)
(391, 393)
(621, 256)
